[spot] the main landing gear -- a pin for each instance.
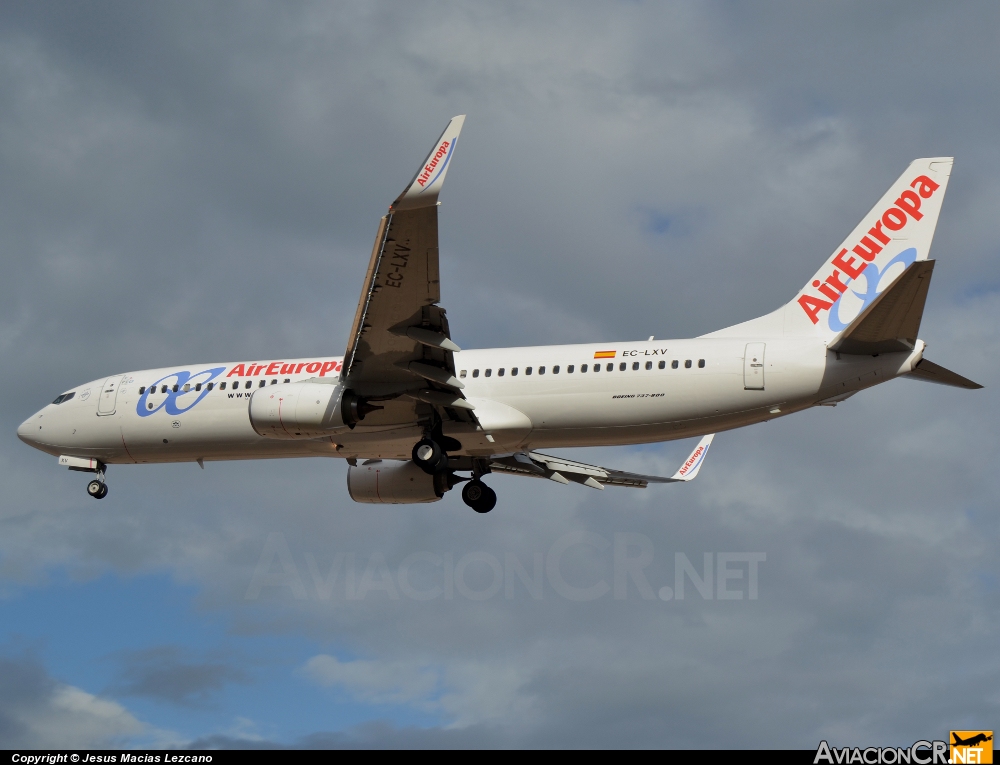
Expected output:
(433, 459)
(479, 496)
(430, 456)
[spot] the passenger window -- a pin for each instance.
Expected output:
(673, 364)
(175, 388)
(187, 387)
(273, 382)
(621, 367)
(687, 364)
(210, 386)
(635, 365)
(475, 373)
(555, 369)
(597, 367)
(222, 386)
(569, 369)
(288, 379)
(198, 386)
(663, 365)
(262, 383)
(513, 372)
(541, 370)
(611, 367)
(489, 372)
(701, 363)
(583, 368)
(142, 389)
(248, 384)
(649, 365)
(527, 370)
(462, 374)
(500, 372)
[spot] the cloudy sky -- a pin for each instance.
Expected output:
(194, 182)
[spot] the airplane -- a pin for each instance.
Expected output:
(417, 411)
(979, 738)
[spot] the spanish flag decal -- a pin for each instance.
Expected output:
(604, 354)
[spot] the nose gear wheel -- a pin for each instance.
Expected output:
(97, 489)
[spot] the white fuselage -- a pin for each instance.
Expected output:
(666, 390)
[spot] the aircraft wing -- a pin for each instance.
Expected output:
(562, 470)
(399, 350)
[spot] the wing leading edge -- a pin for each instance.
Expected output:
(561, 470)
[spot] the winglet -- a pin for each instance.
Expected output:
(694, 462)
(426, 184)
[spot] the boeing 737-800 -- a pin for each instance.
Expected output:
(418, 412)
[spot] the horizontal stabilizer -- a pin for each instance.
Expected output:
(892, 321)
(931, 372)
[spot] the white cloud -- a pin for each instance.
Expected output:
(374, 681)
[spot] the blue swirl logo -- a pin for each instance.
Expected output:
(178, 379)
(872, 278)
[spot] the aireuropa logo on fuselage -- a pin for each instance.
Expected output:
(181, 393)
(184, 389)
(848, 268)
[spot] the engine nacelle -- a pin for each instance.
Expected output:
(305, 410)
(394, 483)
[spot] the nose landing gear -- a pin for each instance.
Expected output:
(97, 489)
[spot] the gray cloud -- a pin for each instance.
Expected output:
(203, 182)
(167, 673)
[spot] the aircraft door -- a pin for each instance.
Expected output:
(753, 367)
(109, 394)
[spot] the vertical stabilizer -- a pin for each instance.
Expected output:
(896, 233)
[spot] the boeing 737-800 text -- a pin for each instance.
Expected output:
(418, 413)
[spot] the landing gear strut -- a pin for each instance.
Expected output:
(479, 496)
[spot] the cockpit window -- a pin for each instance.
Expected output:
(64, 397)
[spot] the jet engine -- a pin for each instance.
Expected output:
(305, 410)
(394, 483)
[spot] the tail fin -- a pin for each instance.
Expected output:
(896, 233)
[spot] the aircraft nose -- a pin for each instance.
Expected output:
(26, 431)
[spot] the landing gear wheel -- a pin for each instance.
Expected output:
(97, 490)
(479, 496)
(430, 456)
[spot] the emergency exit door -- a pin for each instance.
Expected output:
(753, 367)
